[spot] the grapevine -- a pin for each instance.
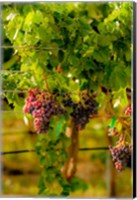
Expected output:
(61, 54)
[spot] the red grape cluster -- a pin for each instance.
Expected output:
(42, 106)
(121, 156)
(82, 110)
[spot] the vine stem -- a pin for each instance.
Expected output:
(70, 166)
(46, 83)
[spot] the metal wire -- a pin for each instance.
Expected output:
(14, 71)
(29, 47)
(33, 150)
(11, 112)
(13, 132)
(25, 91)
(17, 91)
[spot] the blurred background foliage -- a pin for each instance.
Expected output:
(21, 171)
(92, 43)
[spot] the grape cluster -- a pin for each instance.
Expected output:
(42, 106)
(82, 110)
(121, 156)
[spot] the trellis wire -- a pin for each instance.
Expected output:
(14, 71)
(17, 91)
(25, 91)
(17, 133)
(33, 150)
(12, 112)
(29, 47)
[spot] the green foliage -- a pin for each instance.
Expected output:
(85, 44)
(52, 154)
(92, 44)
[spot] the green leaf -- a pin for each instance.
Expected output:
(78, 184)
(60, 123)
(106, 40)
(113, 122)
(38, 17)
(120, 98)
(117, 78)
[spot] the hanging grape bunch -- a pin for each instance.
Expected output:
(81, 111)
(121, 156)
(121, 153)
(44, 105)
